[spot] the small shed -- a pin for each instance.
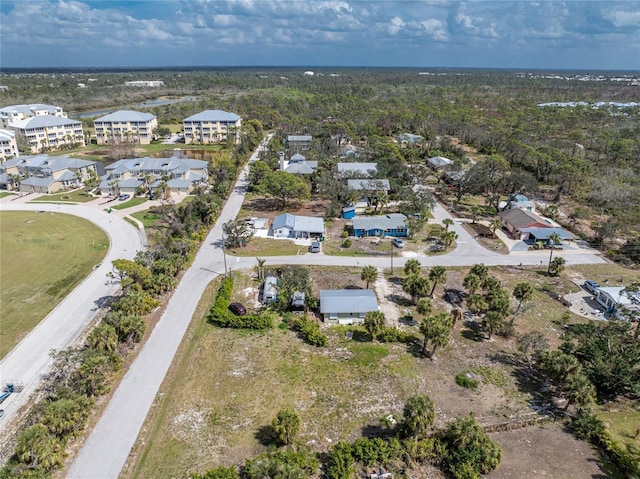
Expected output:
(348, 212)
(269, 290)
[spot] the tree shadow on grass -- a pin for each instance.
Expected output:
(377, 430)
(473, 331)
(265, 435)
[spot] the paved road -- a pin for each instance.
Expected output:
(29, 361)
(107, 448)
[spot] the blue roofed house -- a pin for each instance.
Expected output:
(392, 224)
(294, 226)
(346, 306)
(211, 126)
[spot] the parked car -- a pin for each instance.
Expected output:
(591, 286)
(238, 309)
(315, 247)
(398, 243)
(124, 196)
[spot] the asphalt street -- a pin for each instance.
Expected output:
(29, 361)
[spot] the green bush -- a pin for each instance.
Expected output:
(376, 451)
(217, 473)
(339, 464)
(347, 243)
(290, 464)
(309, 331)
(463, 380)
(395, 335)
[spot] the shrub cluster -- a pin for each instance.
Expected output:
(395, 335)
(309, 331)
(220, 315)
(463, 380)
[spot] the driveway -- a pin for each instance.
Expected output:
(107, 448)
(29, 361)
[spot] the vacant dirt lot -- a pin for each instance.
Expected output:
(226, 386)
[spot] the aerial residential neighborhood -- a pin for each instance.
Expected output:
(229, 280)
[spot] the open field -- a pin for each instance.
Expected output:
(269, 247)
(147, 218)
(623, 426)
(226, 385)
(131, 203)
(4, 193)
(42, 258)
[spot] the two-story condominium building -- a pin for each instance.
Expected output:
(125, 126)
(128, 176)
(12, 113)
(49, 132)
(211, 126)
(46, 174)
(8, 144)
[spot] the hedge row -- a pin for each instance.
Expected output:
(220, 315)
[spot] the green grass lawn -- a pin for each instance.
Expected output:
(43, 256)
(147, 218)
(77, 196)
(268, 247)
(622, 426)
(4, 193)
(129, 204)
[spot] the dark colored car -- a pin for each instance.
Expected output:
(591, 286)
(238, 309)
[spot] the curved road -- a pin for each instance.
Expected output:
(29, 360)
(109, 444)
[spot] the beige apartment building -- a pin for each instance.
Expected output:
(211, 126)
(13, 113)
(125, 126)
(46, 132)
(8, 144)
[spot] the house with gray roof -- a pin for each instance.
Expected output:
(359, 169)
(438, 162)
(46, 174)
(181, 175)
(125, 126)
(211, 126)
(346, 306)
(12, 113)
(297, 164)
(294, 226)
(47, 132)
(515, 219)
(299, 142)
(392, 224)
(409, 139)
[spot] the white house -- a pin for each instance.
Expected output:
(618, 302)
(13, 113)
(297, 164)
(293, 226)
(211, 126)
(439, 161)
(8, 144)
(125, 125)
(43, 132)
(346, 306)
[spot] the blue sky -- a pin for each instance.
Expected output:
(430, 33)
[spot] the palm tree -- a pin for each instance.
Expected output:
(579, 390)
(493, 322)
(286, 425)
(260, 267)
(131, 329)
(369, 274)
(437, 275)
(475, 211)
(424, 309)
(36, 447)
(103, 338)
(446, 223)
(419, 416)
(472, 282)
(555, 239)
(440, 331)
(448, 237)
(556, 266)
(522, 292)
(476, 303)
(412, 266)
(416, 286)
(374, 323)
(495, 225)
(67, 415)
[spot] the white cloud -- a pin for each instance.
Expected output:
(395, 25)
(436, 29)
(625, 18)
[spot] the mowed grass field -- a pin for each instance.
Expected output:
(43, 256)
